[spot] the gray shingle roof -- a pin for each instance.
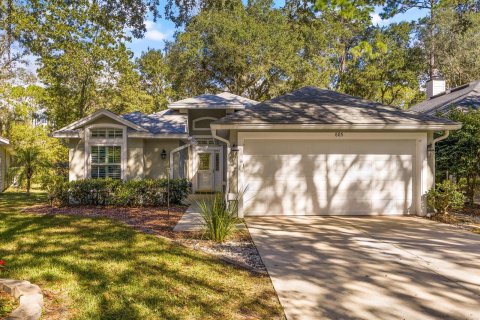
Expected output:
(466, 96)
(311, 105)
(222, 100)
(164, 122)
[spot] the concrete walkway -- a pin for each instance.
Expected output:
(191, 220)
(370, 268)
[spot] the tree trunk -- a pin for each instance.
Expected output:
(29, 180)
(28, 185)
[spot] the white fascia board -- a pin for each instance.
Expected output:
(99, 113)
(422, 127)
(65, 135)
(157, 136)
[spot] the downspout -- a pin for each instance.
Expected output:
(431, 151)
(191, 142)
(443, 137)
(214, 135)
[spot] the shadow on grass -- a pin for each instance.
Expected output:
(109, 271)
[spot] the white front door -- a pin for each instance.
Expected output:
(209, 174)
(205, 174)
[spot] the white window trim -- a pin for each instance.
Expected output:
(201, 119)
(121, 142)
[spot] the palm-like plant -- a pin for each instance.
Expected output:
(26, 161)
(219, 216)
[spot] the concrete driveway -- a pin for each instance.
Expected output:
(370, 268)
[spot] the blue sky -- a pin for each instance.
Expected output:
(161, 30)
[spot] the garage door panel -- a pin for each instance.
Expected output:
(297, 147)
(333, 182)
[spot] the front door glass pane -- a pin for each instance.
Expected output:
(204, 161)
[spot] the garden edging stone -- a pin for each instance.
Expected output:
(30, 299)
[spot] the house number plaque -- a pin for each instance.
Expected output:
(339, 134)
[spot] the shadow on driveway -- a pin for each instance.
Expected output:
(370, 268)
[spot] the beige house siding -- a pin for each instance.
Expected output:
(135, 164)
(103, 120)
(4, 166)
(155, 166)
(198, 114)
(143, 156)
(76, 156)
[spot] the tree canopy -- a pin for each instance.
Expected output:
(253, 48)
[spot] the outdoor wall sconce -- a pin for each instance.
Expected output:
(234, 148)
(163, 154)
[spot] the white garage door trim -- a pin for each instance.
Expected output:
(420, 170)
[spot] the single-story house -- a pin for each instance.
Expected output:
(308, 152)
(5, 160)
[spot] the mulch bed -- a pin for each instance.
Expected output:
(467, 218)
(151, 220)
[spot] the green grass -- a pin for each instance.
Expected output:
(7, 304)
(101, 269)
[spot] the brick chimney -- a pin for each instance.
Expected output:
(436, 85)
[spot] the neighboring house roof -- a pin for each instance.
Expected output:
(224, 100)
(4, 141)
(466, 96)
(311, 107)
(165, 124)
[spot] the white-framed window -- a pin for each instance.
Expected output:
(106, 133)
(106, 162)
(203, 123)
(205, 142)
(105, 151)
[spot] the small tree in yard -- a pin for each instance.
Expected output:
(35, 154)
(445, 196)
(26, 163)
(459, 154)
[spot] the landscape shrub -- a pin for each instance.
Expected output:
(219, 216)
(145, 192)
(56, 188)
(445, 196)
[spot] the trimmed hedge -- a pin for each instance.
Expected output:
(146, 192)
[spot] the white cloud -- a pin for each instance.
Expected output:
(153, 33)
(376, 19)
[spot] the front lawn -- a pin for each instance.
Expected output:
(97, 268)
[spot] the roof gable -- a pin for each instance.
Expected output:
(102, 113)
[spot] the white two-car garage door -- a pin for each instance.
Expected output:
(328, 177)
